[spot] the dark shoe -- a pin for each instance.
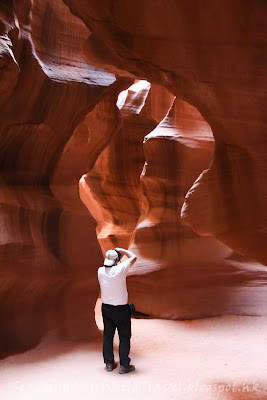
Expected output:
(124, 370)
(109, 367)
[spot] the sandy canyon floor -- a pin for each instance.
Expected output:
(213, 358)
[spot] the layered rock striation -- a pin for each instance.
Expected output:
(175, 166)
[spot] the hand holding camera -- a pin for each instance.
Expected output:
(118, 252)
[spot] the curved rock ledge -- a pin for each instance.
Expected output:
(174, 167)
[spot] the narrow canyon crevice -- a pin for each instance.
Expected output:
(176, 170)
(141, 206)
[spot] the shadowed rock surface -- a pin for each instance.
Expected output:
(176, 169)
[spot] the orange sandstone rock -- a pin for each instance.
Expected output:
(191, 198)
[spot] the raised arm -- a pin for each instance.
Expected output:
(132, 257)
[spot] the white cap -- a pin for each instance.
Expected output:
(110, 258)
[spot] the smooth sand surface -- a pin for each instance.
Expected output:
(213, 358)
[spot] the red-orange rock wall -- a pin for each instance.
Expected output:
(195, 213)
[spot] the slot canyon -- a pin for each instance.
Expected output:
(137, 124)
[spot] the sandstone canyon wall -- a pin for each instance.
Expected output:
(175, 167)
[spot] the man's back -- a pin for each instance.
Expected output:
(112, 282)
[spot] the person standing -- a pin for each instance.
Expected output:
(115, 310)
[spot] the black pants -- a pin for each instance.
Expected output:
(116, 317)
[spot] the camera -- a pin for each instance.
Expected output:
(119, 255)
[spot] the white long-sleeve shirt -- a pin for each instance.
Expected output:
(112, 281)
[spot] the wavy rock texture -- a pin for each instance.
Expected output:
(185, 275)
(111, 190)
(49, 250)
(178, 273)
(212, 56)
(202, 120)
